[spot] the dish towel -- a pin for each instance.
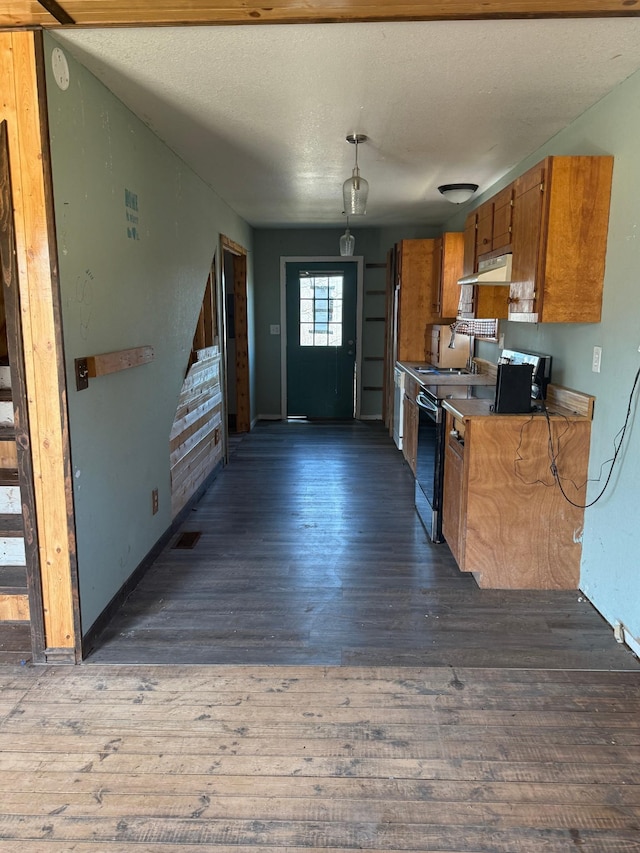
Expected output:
(473, 328)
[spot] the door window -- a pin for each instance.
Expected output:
(321, 300)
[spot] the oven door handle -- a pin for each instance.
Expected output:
(425, 403)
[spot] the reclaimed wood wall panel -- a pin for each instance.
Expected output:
(195, 441)
(23, 108)
(14, 608)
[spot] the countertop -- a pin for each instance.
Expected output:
(413, 368)
(476, 408)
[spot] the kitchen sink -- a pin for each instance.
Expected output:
(448, 371)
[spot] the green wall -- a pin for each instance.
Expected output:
(122, 288)
(609, 576)
(272, 244)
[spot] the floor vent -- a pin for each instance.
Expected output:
(188, 539)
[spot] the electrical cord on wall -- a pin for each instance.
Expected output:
(553, 455)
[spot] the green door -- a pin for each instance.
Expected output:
(321, 339)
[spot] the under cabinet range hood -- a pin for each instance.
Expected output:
(496, 271)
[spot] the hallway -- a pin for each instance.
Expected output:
(310, 552)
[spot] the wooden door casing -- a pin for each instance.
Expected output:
(15, 353)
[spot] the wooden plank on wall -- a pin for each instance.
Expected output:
(113, 362)
(14, 608)
(21, 70)
(195, 442)
(163, 12)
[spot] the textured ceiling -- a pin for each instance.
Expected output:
(261, 113)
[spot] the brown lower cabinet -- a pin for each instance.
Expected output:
(504, 516)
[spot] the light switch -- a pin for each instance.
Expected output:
(274, 329)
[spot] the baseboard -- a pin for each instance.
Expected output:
(370, 418)
(90, 638)
(64, 655)
(633, 644)
(620, 631)
(268, 418)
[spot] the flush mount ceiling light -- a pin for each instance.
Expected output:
(347, 242)
(355, 189)
(458, 193)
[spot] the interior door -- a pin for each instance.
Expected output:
(321, 300)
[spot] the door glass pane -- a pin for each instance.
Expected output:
(321, 310)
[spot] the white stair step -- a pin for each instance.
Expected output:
(12, 551)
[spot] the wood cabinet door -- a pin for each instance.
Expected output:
(451, 267)
(415, 297)
(436, 283)
(575, 228)
(525, 296)
(502, 216)
(484, 229)
(467, 291)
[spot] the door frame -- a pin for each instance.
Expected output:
(239, 288)
(330, 260)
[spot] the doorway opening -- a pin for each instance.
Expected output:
(236, 336)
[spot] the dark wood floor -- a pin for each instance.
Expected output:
(310, 552)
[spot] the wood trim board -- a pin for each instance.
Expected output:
(24, 108)
(105, 13)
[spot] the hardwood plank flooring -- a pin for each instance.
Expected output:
(179, 759)
(311, 553)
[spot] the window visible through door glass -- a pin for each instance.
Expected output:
(321, 310)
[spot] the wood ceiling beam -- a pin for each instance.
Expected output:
(105, 13)
(56, 10)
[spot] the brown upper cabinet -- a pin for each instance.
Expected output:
(487, 233)
(449, 253)
(560, 227)
(554, 219)
(427, 273)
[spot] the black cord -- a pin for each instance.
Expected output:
(617, 447)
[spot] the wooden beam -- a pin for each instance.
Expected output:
(24, 108)
(104, 13)
(57, 11)
(112, 362)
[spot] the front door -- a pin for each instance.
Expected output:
(321, 300)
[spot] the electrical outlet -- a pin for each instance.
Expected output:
(154, 501)
(597, 358)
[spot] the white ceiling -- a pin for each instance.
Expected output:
(261, 112)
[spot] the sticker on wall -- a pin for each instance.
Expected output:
(60, 68)
(131, 210)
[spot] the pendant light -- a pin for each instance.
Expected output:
(355, 189)
(347, 242)
(458, 193)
